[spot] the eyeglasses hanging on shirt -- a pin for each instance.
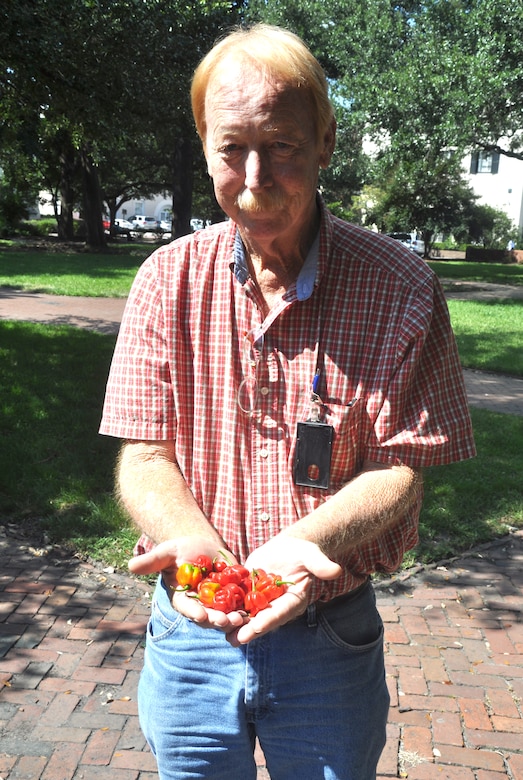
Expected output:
(248, 391)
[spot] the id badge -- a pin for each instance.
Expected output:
(312, 463)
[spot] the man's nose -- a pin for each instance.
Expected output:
(257, 172)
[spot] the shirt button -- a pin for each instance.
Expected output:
(264, 390)
(265, 517)
(264, 453)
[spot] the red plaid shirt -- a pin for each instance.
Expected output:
(368, 313)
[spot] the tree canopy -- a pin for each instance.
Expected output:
(94, 94)
(92, 85)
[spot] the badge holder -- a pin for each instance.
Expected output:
(312, 461)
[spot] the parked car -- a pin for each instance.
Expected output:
(196, 224)
(120, 228)
(143, 223)
(410, 240)
(124, 223)
(166, 226)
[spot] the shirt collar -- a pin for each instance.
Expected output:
(306, 278)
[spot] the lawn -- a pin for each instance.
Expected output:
(110, 273)
(493, 273)
(73, 273)
(56, 472)
(489, 334)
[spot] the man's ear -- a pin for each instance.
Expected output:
(329, 142)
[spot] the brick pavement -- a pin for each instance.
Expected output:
(454, 656)
(71, 647)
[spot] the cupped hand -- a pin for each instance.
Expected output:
(165, 558)
(297, 561)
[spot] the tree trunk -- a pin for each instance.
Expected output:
(64, 219)
(182, 187)
(92, 202)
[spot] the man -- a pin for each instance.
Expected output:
(280, 380)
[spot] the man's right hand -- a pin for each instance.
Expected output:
(165, 558)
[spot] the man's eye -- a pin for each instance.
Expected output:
(229, 149)
(282, 147)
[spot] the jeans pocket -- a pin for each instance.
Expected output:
(354, 624)
(164, 620)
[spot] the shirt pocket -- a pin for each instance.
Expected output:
(347, 452)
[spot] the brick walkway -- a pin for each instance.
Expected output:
(71, 647)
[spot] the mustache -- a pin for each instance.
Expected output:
(262, 201)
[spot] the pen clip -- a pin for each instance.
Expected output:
(316, 382)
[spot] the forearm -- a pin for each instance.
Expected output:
(156, 496)
(374, 500)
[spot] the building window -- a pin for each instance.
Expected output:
(484, 162)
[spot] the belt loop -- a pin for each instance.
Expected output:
(311, 616)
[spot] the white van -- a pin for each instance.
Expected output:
(145, 223)
(411, 241)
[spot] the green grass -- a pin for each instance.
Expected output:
(474, 501)
(73, 273)
(56, 472)
(111, 273)
(493, 273)
(489, 334)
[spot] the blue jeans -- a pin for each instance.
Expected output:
(313, 692)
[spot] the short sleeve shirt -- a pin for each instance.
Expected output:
(196, 362)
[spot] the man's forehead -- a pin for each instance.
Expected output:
(229, 96)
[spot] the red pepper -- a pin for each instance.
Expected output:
(236, 574)
(262, 579)
(274, 591)
(255, 602)
(205, 564)
(230, 597)
(238, 594)
(272, 586)
(215, 576)
(188, 576)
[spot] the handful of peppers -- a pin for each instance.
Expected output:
(229, 587)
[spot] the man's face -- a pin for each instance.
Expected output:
(263, 154)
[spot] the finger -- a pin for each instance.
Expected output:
(281, 611)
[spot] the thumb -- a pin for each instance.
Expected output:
(162, 557)
(320, 564)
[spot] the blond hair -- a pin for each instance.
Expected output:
(278, 54)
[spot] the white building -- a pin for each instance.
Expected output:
(160, 207)
(498, 180)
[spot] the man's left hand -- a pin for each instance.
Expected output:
(297, 561)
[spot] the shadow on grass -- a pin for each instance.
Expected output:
(474, 501)
(53, 463)
(491, 339)
(55, 468)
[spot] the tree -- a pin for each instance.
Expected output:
(101, 77)
(485, 225)
(455, 77)
(429, 197)
(426, 81)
